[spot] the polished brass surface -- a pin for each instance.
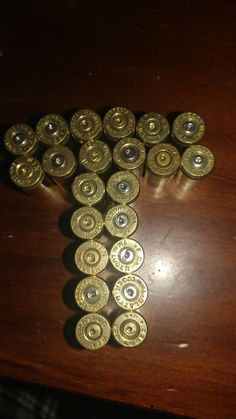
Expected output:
(88, 189)
(26, 172)
(152, 128)
(197, 162)
(20, 140)
(52, 130)
(118, 123)
(188, 128)
(121, 220)
(163, 160)
(59, 162)
(130, 292)
(92, 293)
(129, 154)
(85, 125)
(87, 222)
(93, 331)
(91, 257)
(123, 187)
(129, 329)
(127, 255)
(95, 156)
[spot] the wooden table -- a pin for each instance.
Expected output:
(165, 56)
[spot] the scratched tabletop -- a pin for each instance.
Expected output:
(163, 56)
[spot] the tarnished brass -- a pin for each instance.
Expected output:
(119, 123)
(163, 161)
(95, 156)
(92, 293)
(52, 130)
(127, 255)
(88, 189)
(20, 140)
(93, 331)
(152, 128)
(130, 292)
(91, 257)
(26, 172)
(188, 129)
(59, 162)
(85, 125)
(86, 222)
(121, 221)
(123, 187)
(129, 154)
(129, 329)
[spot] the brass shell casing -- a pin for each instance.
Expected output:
(163, 161)
(52, 130)
(127, 255)
(129, 329)
(59, 162)
(129, 154)
(95, 156)
(88, 189)
(85, 125)
(188, 129)
(91, 257)
(119, 122)
(20, 140)
(87, 222)
(123, 187)
(93, 331)
(121, 220)
(130, 292)
(92, 294)
(26, 172)
(152, 128)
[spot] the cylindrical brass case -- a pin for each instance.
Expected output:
(152, 128)
(20, 140)
(121, 221)
(91, 257)
(95, 156)
(85, 125)
(163, 161)
(88, 189)
(119, 123)
(129, 329)
(188, 129)
(127, 255)
(59, 162)
(129, 154)
(52, 130)
(93, 331)
(123, 187)
(130, 292)
(92, 293)
(87, 222)
(26, 172)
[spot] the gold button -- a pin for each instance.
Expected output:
(129, 329)
(93, 331)
(127, 255)
(130, 292)
(91, 294)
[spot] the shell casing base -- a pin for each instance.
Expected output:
(188, 129)
(93, 331)
(123, 187)
(129, 154)
(197, 162)
(95, 156)
(88, 189)
(129, 329)
(85, 125)
(91, 257)
(87, 222)
(163, 160)
(92, 294)
(119, 122)
(26, 172)
(121, 221)
(152, 128)
(59, 162)
(20, 140)
(52, 130)
(130, 292)
(127, 255)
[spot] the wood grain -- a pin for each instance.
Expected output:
(165, 56)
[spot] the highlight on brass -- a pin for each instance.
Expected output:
(52, 130)
(197, 162)
(59, 162)
(20, 140)
(130, 292)
(127, 255)
(92, 294)
(123, 187)
(119, 122)
(163, 161)
(85, 125)
(86, 222)
(95, 156)
(129, 329)
(93, 331)
(88, 189)
(26, 172)
(152, 128)
(91, 257)
(129, 154)
(188, 129)
(121, 220)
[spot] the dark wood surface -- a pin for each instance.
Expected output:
(165, 56)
